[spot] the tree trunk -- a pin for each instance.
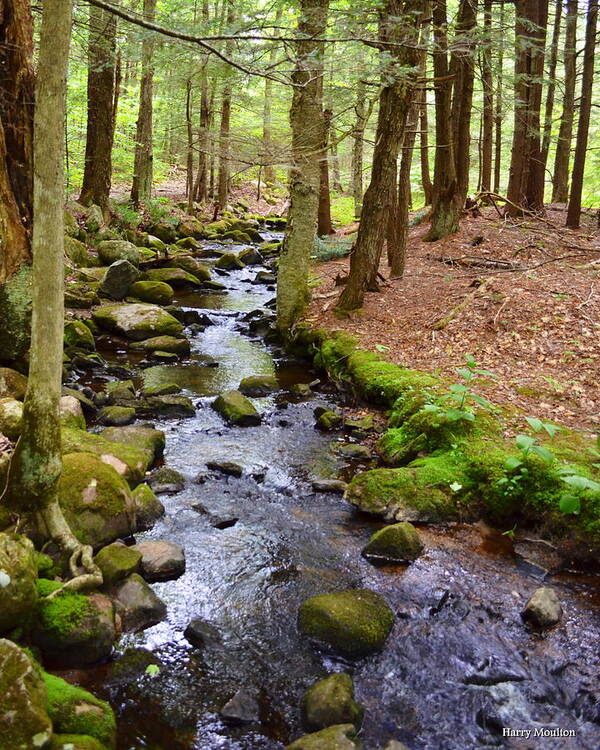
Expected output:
(224, 133)
(269, 175)
(446, 201)
(307, 142)
(324, 225)
(16, 176)
(560, 178)
(142, 169)
(487, 126)
(394, 104)
(526, 175)
(100, 108)
(189, 180)
(358, 134)
(498, 114)
(551, 76)
(426, 183)
(335, 164)
(583, 127)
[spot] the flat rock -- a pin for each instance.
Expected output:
(138, 606)
(226, 467)
(160, 560)
(242, 708)
(136, 321)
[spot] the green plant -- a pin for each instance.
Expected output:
(460, 402)
(127, 216)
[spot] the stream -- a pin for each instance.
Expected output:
(459, 665)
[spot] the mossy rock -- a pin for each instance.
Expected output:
(94, 218)
(353, 623)
(251, 257)
(117, 561)
(398, 543)
(81, 296)
(148, 508)
(72, 228)
(12, 384)
(176, 278)
(143, 438)
(95, 499)
(136, 321)
(154, 292)
(236, 409)
(74, 710)
(11, 418)
(238, 237)
(191, 266)
(171, 406)
(165, 231)
(77, 252)
(339, 737)
(229, 262)
(117, 416)
(78, 336)
(75, 742)
(217, 227)
(164, 389)
(18, 574)
(74, 630)
(329, 420)
(110, 251)
(164, 344)
(118, 390)
(330, 701)
(258, 385)
(190, 228)
(24, 720)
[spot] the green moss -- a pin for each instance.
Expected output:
(399, 542)
(78, 335)
(75, 711)
(63, 613)
(75, 742)
(45, 586)
(15, 313)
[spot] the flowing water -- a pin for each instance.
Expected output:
(459, 665)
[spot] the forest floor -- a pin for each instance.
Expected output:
(522, 298)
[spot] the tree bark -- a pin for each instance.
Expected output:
(142, 168)
(189, 180)
(560, 178)
(487, 126)
(551, 76)
(400, 24)
(498, 113)
(269, 175)
(306, 119)
(224, 133)
(100, 108)
(426, 183)
(585, 107)
(324, 225)
(358, 134)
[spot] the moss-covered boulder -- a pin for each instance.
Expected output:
(229, 261)
(148, 508)
(117, 561)
(217, 227)
(94, 218)
(258, 385)
(339, 737)
(251, 257)
(77, 252)
(191, 266)
(71, 413)
(72, 228)
(82, 296)
(329, 420)
(120, 390)
(237, 236)
(117, 416)
(11, 418)
(18, 576)
(165, 231)
(137, 604)
(76, 711)
(145, 439)
(136, 321)
(95, 499)
(174, 406)
(353, 623)
(176, 278)
(154, 292)
(236, 409)
(164, 344)
(24, 720)
(75, 742)
(119, 276)
(398, 543)
(110, 251)
(78, 336)
(330, 701)
(12, 384)
(190, 227)
(166, 480)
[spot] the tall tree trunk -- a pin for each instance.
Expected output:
(189, 179)
(306, 119)
(487, 125)
(324, 225)
(560, 178)
(526, 176)
(446, 201)
(462, 68)
(400, 24)
(335, 166)
(16, 175)
(267, 144)
(585, 107)
(100, 108)
(426, 183)
(142, 168)
(224, 133)
(358, 135)
(498, 113)
(551, 76)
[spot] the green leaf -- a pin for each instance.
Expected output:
(535, 424)
(512, 463)
(455, 415)
(581, 483)
(455, 486)
(432, 407)
(569, 504)
(481, 401)
(152, 669)
(382, 348)
(470, 360)
(524, 442)
(543, 453)
(486, 374)
(458, 388)
(465, 373)
(551, 429)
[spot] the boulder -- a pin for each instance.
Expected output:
(117, 561)
(214, 287)
(236, 409)
(116, 416)
(136, 321)
(78, 336)
(188, 243)
(75, 742)
(137, 605)
(328, 420)
(164, 389)
(73, 630)
(24, 720)
(398, 543)
(329, 485)
(12, 384)
(353, 623)
(176, 278)
(11, 417)
(141, 437)
(94, 218)
(164, 344)
(18, 576)
(352, 451)
(75, 711)
(339, 737)
(258, 385)
(238, 237)
(110, 251)
(202, 634)
(160, 560)
(166, 480)
(226, 467)
(95, 499)
(228, 262)
(148, 508)
(155, 292)
(120, 390)
(77, 252)
(543, 610)
(242, 708)
(118, 278)
(164, 231)
(330, 701)
(71, 413)
(72, 228)
(190, 228)
(81, 296)
(264, 277)
(191, 266)
(171, 406)
(251, 257)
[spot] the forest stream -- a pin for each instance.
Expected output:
(459, 665)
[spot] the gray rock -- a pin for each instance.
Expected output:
(110, 251)
(242, 708)
(226, 467)
(18, 576)
(329, 485)
(330, 701)
(11, 417)
(137, 605)
(202, 634)
(119, 276)
(166, 480)
(148, 508)
(352, 451)
(116, 416)
(12, 384)
(161, 561)
(543, 608)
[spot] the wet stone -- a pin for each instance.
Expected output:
(166, 480)
(137, 605)
(352, 451)
(397, 543)
(543, 609)
(202, 634)
(329, 485)
(242, 708)
(160, 560)
(226, 467)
